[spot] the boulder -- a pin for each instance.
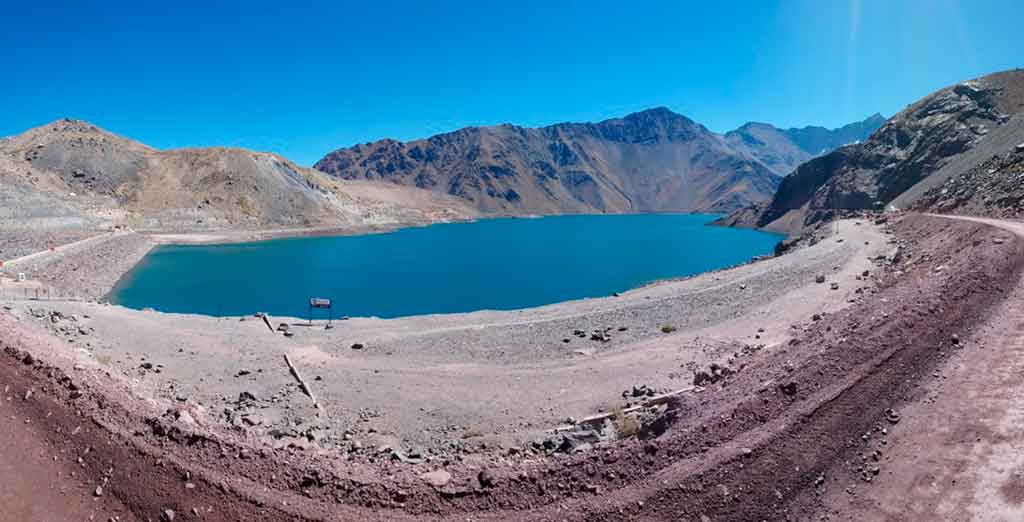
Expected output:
(486, 478)
(438, 478)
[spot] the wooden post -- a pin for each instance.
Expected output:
(302, 383)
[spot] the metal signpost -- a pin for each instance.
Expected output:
(319, 302)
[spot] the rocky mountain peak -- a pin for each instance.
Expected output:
(657, 114)
(650, 126)
(651, 160)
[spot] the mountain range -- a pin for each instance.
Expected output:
(649, 161)
(783, 150)
(942, 137)
(958, 148)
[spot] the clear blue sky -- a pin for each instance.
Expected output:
(302, 79)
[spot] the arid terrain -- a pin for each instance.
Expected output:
(869, 371)
(775, 396)
(71, 180)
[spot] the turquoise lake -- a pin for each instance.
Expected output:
(497, 264)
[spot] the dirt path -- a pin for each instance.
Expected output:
(959, 455)
(41, 480)
(35, 487)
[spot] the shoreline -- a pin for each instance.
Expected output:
(258, 237)
(113, 275)
(701, 307)
(747, 425)
(228, 237)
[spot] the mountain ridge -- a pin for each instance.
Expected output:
(648, 161)
(945, 133)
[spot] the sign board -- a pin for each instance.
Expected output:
(320, 302)
(22, 277)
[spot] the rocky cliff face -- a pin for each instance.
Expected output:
(967, 122)
(649, 161)
(82, 174)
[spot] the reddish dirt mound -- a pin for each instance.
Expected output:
(758, 445)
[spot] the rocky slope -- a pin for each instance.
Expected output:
(649, 161)
(944, 134)
(71, 175)
(994, 188)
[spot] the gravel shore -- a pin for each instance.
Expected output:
(16, 242)
(87, 269)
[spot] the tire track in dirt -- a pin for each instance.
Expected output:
(779, 478)
(959, 454)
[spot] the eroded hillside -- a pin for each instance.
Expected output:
(70, 177)
(650, 161)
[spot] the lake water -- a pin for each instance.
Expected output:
(490, 264)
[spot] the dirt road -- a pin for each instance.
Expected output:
(42, 480)
(38, 488)
(959, 455)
